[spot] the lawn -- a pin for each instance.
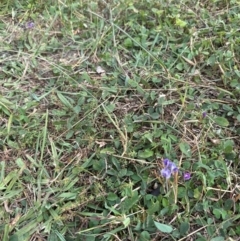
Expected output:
(119, 120)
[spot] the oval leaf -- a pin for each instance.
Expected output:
(146, 153)
(163, 227)
(185, 148)
(238, 118)
(221, 121)
(184, 227)
(145, 236)
(219, 238)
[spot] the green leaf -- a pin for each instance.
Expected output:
(219, 213)
(180, 23)
(112, 209)
(59, 235)
(128, 43)
(153, 207)
(20, 163)
(163, 227)
(110, 108)
(64, 100)
(238, 118)
(228, 146)
(219, 238)
(5, 103)
(184, 227)
(145, 236)
(185, 148)
(9, 123)
(122, 172)
(197, 193)
(155, 115)
(126, 222)
(135, 84)
(112, 196)
(128, 203)
(68, 195)
(145, 154)
(228, 204)
(221, 121)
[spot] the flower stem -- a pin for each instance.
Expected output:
(175, 186)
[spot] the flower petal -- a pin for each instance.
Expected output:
(166, 173)
(173, 167)
(166, 162)
(187, 176)
(30, 25)
(204, 114)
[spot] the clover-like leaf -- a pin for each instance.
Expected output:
(163, 227)
(221, 121)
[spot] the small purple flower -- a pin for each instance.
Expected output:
(166, 162)
(204, 114)
(166, 173)
(187, 176)
(30, 25)
(173, 167)
(169, 168)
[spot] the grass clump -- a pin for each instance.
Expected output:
(95, 96)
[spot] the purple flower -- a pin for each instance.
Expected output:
(166, 173)
(169, 168)
(204, 114)
(30, 25)
(186, 176)
(166, 162)
(173, 167)
(170, 165)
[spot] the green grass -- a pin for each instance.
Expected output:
(95, 95)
